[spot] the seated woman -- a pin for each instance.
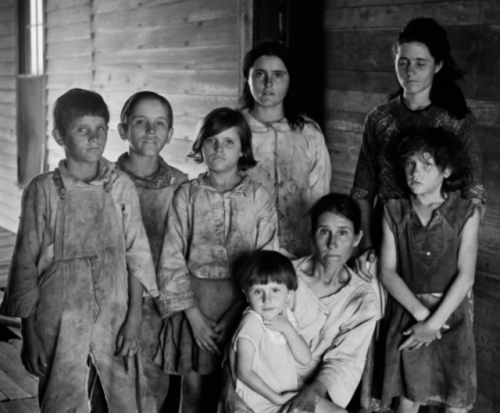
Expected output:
(336, 311)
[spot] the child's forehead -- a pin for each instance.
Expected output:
(149, 104)
(79, 119)
(422, 154)
(266, 283)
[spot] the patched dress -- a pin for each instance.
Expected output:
(208, 236)
(76, 245)
(445, 371)
(294, 166)
(155, 196)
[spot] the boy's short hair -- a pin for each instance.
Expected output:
(136, 98)
(265, 266)
(446, 150)
(76, 103)
(219, 120)
(339, 204)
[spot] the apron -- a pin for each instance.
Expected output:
(83, 304)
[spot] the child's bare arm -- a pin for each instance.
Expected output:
(33, 353)
(467, 255)
(391, 279)
(129, 336)
(299, 348)
(245, 372)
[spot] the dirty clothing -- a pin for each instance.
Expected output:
(445, 371)
(273, 360)
(155, 196)
(338, 329)
(294, 166)
(208, 235)
(385, 127)
(76, 241)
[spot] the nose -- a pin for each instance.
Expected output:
(268, 80)
(332, 241)
(151, 128)
(92, 136)
(265, 298)
(217, 146)
(410, 69)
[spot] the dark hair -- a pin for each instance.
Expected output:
(339, 204)
(76, 103)
(446, 150)
(219, 120)
(138, 97)
(445, 92)
(264, 266)
(292, 110)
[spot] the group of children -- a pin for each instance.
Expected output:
(128, 269)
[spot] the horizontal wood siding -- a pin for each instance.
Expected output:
(359, 74)
(187, 50)
(10, 195)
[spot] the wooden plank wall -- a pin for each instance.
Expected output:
(10, 191)
(186, 50)
(359, 74)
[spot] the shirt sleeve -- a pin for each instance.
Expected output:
(471, 146)
(267, 222)
(251, 329)
(344, 361)
(137, 251)
(365, 185)
(22, 293)
(176, 293)
(320, 173)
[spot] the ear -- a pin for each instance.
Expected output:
(58, 136)
(447, 172)
(122, 130)
(438, 67)
(290, 296)
(246, 296)
(358, 238)
(170, 134)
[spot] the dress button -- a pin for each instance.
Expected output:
(428, 253)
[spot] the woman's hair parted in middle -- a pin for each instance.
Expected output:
(293, 111)
(339, 204)
(265, 266)
(219, 120)
(446, 150)
(136, 98)
(445, 92)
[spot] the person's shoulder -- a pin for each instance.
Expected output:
(383, 110)
(251, 326)
(40, 184)
(178, 176)
(364, 294)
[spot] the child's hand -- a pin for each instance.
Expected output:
(223, 328)
(33, 354)
(421, 334)
(129, 338)
(203, 330)
(279, 323)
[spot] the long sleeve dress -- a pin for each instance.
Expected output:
(208, 236)
(294, 166)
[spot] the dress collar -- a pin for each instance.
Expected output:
(162, 178)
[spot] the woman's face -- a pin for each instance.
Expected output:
(334, 239)
(415, 68)
(268, 80)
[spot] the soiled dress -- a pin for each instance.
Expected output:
(337, 328)
(76, 244)
(294, 166)
(208, 235)
(155, 196)
(445, 371)
(273, 360)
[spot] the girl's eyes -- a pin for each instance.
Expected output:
(257, 292)
(229, 142)
(343, 233)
